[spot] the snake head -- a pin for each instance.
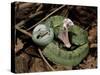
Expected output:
(42, 35)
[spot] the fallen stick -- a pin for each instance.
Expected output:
(39, 8)
(31, 16)
(46, 17)
(45, 60)
(23, 31)
(25, 5)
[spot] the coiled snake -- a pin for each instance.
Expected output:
(55, 50)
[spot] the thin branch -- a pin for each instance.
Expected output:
(39, 8)
(46, 17)
(35, 14)
(23, 31)
(94, 45)
(31, 16)
(25, 5)
(45, 60)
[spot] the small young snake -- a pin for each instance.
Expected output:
(76, 35)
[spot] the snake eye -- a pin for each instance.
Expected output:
(38, 36)
(42, 34)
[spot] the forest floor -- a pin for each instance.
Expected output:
(27, 57)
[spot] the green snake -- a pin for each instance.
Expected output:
(54, 49)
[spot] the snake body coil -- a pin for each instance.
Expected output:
(67, 58)
(44, 34)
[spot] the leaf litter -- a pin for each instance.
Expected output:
(25, 62)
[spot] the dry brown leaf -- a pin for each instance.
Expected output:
(39, 66)
(89, 63)
(92, 34)
(61, 67)
(31, 50)
(21, 63)
(93, 45)
(19, 45)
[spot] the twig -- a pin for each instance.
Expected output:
(46, 17)
(21, 23)
(31, 16)
(94, 45)
(25, 5)
(30, 52)
(23, 31)
(37, 13)
(87, 28)
(39, 8)
(46, 60)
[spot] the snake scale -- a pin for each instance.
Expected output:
(55, 50)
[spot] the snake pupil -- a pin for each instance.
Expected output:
(42, 35)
